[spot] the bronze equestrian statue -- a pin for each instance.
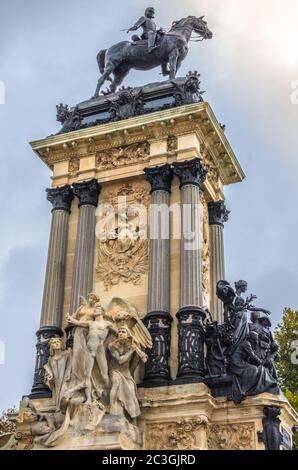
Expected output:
(168, 50)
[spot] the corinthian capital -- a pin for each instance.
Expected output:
(87, 192)
(60, 198)
(159, 177)
(190, 172)
(218, 213)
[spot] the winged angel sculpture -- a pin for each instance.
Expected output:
(95, 379)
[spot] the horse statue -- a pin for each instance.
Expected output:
(172, 48)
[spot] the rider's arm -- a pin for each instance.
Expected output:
(138, 24)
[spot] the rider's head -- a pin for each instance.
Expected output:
(150, 12)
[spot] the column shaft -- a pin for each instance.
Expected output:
(218, 215)
(217, 269)
(55, 272)
(159, 260)
(191, 315)
(190, 261)
(52, 304)
(82, 285)
(158, 319)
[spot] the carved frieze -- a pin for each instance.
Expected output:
(213, 175)
(172, 144)
(122, 242)
(231, 437)
(205, 249)
(183, 434)
(74, 166)
(121, 156)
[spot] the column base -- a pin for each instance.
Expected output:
(190, 345)
(44, 334)
(157, 370)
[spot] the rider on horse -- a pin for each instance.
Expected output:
(149, 28)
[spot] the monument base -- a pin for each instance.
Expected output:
(188, 417)
(179, 417)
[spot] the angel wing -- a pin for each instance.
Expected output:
(123, 311)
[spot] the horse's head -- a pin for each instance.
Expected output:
(200, 27)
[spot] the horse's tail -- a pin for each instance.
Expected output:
(101, 56)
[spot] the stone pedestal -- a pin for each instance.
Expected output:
(187, 417)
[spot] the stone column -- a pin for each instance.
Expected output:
(52, 305)
(191, 315)
(82, 284)
(158, 319)
(218, 215)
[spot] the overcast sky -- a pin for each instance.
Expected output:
(47, 56)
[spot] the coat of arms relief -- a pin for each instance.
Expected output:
(122, 236)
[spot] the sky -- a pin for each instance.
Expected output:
(48, 55)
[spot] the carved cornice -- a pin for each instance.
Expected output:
(190, 172)
(197, 117)
(60, 198)
(87, 192)
(218, 213)
(160, 178)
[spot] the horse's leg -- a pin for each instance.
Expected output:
(107, 72)
(179, 62)
(164, 69)
(119, 75)
(173, 58)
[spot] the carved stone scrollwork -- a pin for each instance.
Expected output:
(157, 370)
(183, 434)
(124, 258)
(121, 156)
(44, 335)
(231, 437)
(213, 175)
(205, 250)
(172, 143)
(190, 345)
(74, 166)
